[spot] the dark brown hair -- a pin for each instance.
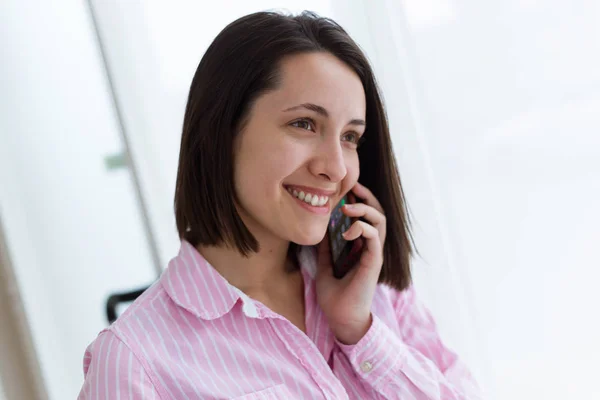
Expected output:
(241, 64)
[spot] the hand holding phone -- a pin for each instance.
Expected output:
(344, 254)
(347, 302)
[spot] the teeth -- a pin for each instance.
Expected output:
(312, 199)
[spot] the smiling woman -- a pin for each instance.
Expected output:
(306, 147)
(283, 120)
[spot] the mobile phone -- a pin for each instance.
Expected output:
(344, 253)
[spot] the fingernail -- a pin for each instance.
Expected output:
(349, 206)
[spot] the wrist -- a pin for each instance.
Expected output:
(351, 335)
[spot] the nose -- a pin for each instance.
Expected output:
(329, 161)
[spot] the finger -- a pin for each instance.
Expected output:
(369, 232)
(371, 259)
(370, 214)
(369, 198)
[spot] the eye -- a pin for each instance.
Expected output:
(353, 138)
(305, 123)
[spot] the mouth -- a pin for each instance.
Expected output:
(310, 198)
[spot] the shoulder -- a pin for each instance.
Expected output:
(111, 368)
(393, 297)
(402, 308)
(124, 336)
(153, 323)
(144, 308)
(140, 346)
(139, 331)
(384, 301)
(398, 299)
(107, 352)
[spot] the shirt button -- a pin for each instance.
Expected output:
(366, 366)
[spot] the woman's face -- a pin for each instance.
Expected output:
(297, 154)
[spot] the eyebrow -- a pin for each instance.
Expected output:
(322, 111)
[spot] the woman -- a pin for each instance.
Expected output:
(250, 309)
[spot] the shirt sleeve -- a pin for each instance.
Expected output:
(414, 364)
(112, 371)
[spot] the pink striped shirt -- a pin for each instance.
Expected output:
(192, 335)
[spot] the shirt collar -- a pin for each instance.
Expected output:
(193, 284)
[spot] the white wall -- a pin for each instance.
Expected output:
(72, 227)
(507, 96)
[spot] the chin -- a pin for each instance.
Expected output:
(309, 238)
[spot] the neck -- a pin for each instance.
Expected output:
(262, 272)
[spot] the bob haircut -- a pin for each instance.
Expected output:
(241, 64)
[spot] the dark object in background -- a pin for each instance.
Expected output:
(115, 299)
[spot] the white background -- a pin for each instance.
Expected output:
(495, 115)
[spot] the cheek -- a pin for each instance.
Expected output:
(261, 167)
(286, 156)
(352, 173)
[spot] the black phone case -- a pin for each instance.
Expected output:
(350, 251)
